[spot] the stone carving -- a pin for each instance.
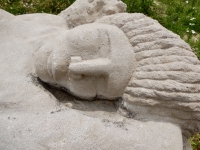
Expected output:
(128, 55)
(33, 116)
(163, 71)
(166, 82)
(93, 61)
(87, 11)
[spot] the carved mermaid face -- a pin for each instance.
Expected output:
(90, 61)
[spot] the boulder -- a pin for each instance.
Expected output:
(36, 116)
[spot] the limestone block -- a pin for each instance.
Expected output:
(166, 82)
(32, 117)
(87, 11)
(128, 55)
(31, 27)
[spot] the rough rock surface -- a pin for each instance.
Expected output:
(33, 116)
(90, 63)
(166, 82)
(87, 11)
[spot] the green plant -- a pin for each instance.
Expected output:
(18, 7)
(180, 16)
(140, 6)
(195, 141)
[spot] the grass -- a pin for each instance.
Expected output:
(195, 141)
(18, 7)
(180, 16)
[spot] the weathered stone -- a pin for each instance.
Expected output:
(87, 11)
(166, 82)
(33, 117)
(154, 71)
(94, 61)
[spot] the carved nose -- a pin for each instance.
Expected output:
(94, 67)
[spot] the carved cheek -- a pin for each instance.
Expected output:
(84, 88)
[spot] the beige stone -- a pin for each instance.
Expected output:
(93, 61)
(128, 55)
(37, 117)
(87, 11)
(166, 82)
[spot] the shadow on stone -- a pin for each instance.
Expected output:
(66, 98)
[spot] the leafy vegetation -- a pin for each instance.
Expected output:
(142, 6)
(18, 7)
(195, 142)
(180, 16)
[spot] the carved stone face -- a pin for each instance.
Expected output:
(90, 61)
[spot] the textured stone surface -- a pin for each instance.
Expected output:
(166, 82)
(164, 87)
(35, 116)
(93, 61)
(87, 11)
